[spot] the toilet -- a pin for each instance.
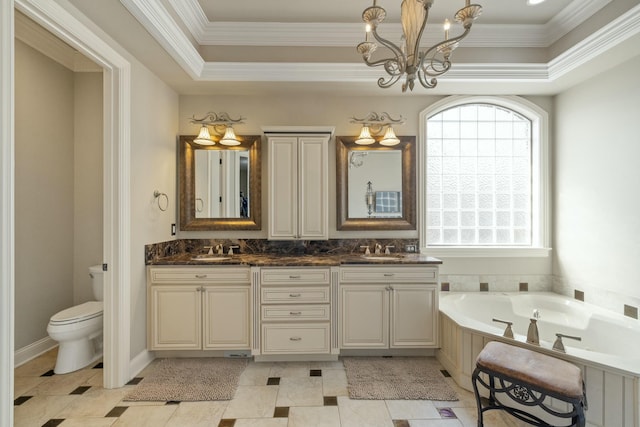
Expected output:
(78, 330)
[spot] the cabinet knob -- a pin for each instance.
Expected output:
(294, 295)
(295, 339)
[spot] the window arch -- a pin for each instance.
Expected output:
(484, 176)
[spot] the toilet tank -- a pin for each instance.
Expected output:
(96, 274)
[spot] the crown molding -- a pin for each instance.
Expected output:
(349, 35)
(161, 25)
(609, 36)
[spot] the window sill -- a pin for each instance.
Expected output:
(493, 252)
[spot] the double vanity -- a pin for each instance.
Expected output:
(283, 307)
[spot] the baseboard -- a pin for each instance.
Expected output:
(138, 363)
(33, 350)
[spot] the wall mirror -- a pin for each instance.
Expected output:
(376, 185)
(220, 186)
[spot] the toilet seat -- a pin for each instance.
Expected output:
(79, 313)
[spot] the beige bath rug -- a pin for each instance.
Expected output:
(188, 380)
(382, 378)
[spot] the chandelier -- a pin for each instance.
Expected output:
(408, 59)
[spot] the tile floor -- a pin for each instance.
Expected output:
(309, 394)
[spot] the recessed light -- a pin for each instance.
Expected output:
(534, 2)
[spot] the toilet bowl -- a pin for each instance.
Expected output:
(78, 330)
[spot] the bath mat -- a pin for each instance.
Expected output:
(396, 378)
(190, 380)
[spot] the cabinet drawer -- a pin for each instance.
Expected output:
(305, 338)
(295, 312)
(227, 275)
(388, 274)
(295, 295)
(295, 276)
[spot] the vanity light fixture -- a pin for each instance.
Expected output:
(374, 123)
(407, 59)
(221, 123)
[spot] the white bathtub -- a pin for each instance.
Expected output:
(609, 352)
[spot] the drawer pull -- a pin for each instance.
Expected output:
(388, 274)
(201, 276)
(295, 313)
(295, 339)
(295, 295)
(294, 277)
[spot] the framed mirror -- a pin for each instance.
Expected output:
(376, 185)
(220, 186)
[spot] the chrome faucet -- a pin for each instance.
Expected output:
(386, 249)
(532, 333)
(378, 248)
(210, 249)
(231, 248)
(366, 250)
(220, 249)
(536, 313)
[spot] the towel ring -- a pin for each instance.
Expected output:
(157, 195)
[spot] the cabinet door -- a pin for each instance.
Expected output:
(283, 188)
(175, 317)
(413, 316)
(364, 316)
(313, 191)
(226, 317)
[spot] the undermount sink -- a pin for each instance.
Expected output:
(210, 258)
(382, 257)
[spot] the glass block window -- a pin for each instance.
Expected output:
(478, 177)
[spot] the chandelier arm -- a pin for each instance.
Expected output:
(452, 41)
(426, 83)
(390, 81)
(392, 47)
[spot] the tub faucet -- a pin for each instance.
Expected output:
(532, 333)
(378, 248)
(536, 313)
(220, 249)
(508, 332)
(559, 346)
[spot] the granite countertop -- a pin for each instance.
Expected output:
(279, 260)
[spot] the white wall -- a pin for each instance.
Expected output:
(596, 203)
(88, 159)
(44, 92)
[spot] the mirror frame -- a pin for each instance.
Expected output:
(187, 196)
(407, 146)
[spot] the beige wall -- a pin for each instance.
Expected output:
(88, 205)
(597, 177)
(154, 124)
(313, 110)
(44, 93)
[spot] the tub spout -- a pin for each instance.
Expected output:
(508, 332)
(532, 333)
(559, 346)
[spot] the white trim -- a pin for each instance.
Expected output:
(497, 252)
(41, 40)
(218, 33)
(33, 350)
(140, 362)
(117, 100)
(7, 219)
(540, 192)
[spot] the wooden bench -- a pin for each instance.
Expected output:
(517, 375)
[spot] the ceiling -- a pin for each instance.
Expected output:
(275, 46)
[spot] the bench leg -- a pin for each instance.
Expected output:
(474, 379)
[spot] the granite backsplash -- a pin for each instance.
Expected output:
(155, 251)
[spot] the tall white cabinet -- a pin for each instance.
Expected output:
(298, 187)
